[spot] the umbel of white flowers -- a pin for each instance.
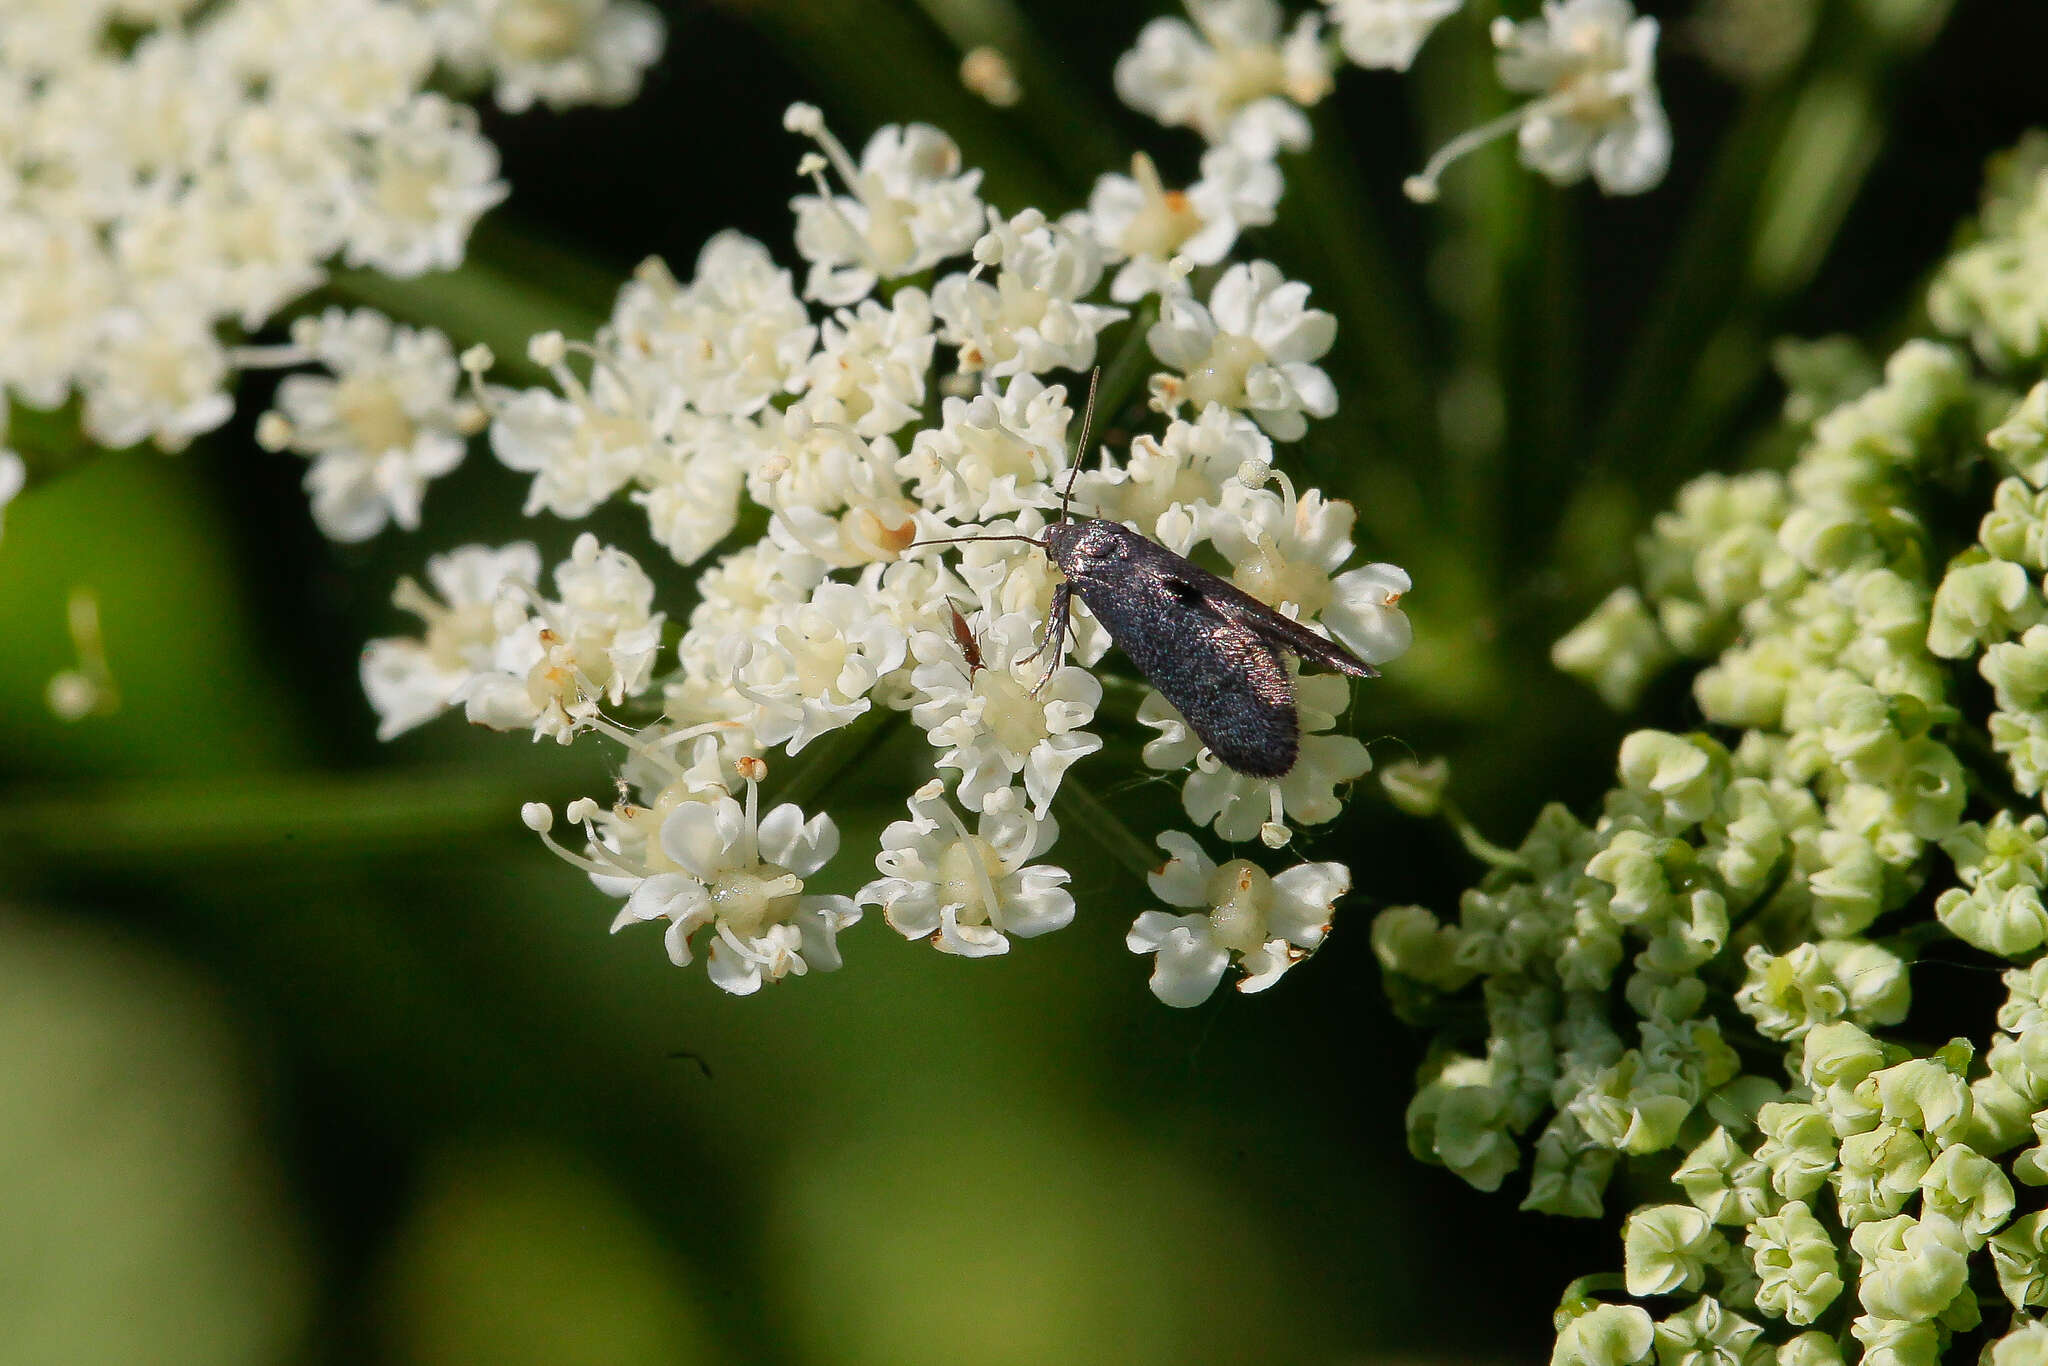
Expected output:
(392, 418)
(908, 385)
(1237, 75)
(704, 394)
(176, 174)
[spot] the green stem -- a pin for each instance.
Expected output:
(1476, 844)
(1699, 288)
(1126, 368)
(1605, 1282)
(1331, 229)
(1482, 223)
(1079, 809)
(302, 815)
(836, 754)
(1541, 378)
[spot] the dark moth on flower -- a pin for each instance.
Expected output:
(1211, 649)
(1214, 651)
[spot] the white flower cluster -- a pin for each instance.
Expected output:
(174, 171)
(1711, 973)
(1233, 71)
(388, 416)
(820, 441)
(1591, 66)
(1236, 72)
(560, 53)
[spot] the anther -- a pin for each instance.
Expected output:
(547, 349)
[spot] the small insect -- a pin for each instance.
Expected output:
(970, 648)
(1211, 649)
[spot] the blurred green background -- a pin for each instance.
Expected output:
(311, 1054)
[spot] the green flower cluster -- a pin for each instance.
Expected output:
(1707, 990)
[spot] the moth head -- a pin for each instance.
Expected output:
(1084, 544)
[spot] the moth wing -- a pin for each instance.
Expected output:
(1284, 632)
(1228, 680)
(1281, 632)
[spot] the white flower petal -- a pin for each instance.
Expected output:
(730, 972)
(1188, 966)
(702, 836)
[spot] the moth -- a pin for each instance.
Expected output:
(1214, 651)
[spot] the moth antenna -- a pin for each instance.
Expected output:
(1081, 447)
(1066, 494)
(957, 540)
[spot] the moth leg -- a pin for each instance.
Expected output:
(1058, 615)
(1055, 634)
